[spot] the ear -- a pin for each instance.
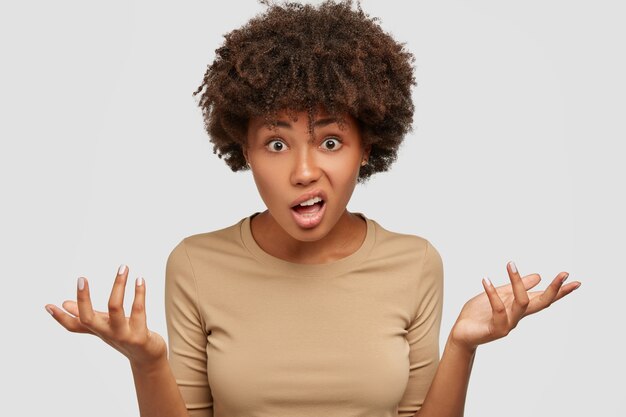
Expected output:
(244, 149)
(366, 152)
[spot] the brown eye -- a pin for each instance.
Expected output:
(332, 144)
(275, 145)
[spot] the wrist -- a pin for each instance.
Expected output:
(459, 346)
(149, 367)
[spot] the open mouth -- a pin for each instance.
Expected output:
(310, 207)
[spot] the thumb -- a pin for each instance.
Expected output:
(71, 307)
(531, 280)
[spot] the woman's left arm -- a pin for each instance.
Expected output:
(486, 317)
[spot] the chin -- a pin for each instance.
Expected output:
(306, 235)
(311, 234)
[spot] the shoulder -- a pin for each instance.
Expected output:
(392, 242)
(193, 252)
(227, 239)
(408, 252)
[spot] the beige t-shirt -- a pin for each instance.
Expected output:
(254, 335)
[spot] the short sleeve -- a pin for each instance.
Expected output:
(423, 334)
(187, 338)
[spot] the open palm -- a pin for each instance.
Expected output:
(494, 313)
(129, 335)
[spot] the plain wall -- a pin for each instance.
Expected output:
(514, 156)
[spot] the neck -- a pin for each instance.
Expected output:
(345, 238)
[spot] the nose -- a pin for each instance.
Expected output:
(306, 169)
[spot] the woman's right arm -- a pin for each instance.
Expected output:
(157, 391)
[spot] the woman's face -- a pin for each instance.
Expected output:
(289, 168)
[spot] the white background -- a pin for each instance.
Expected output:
(515, 155)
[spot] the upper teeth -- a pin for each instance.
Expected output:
(311, 201)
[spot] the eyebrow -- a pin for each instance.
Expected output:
(317, 123)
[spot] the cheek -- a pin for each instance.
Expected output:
(344, 171)
(269, 183)
(343, 180)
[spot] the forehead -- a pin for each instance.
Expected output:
(286, 119)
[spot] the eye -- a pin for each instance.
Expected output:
(332, 144)
(275, 145)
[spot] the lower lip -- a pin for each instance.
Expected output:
(309, 221)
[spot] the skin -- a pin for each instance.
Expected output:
(285, 163)
(282, 174)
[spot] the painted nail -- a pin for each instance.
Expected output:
(121, 269)
(49, 310)
(81, 283)
(513, 267)
(564, 278)
(139, 281)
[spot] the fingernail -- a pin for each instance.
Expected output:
(139, 281)
(49, 310)
(121, 269)
(81, 283)
(513, 267)
(577, 287)
(488, 281)
(564, 278)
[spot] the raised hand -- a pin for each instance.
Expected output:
(494, 313)
(128, 335)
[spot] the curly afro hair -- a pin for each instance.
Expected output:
(296, 57)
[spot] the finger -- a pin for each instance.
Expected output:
(520, 303)
(117, 317)
(566, 289)
(86, 315)
(531, 281)
(72, 307)
(548, 296)
(500, 319)
(70, 323)
(138, 313)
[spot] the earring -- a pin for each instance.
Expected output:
(364, 162)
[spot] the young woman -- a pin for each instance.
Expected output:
(306, 309)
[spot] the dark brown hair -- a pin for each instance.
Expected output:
(301, 58)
